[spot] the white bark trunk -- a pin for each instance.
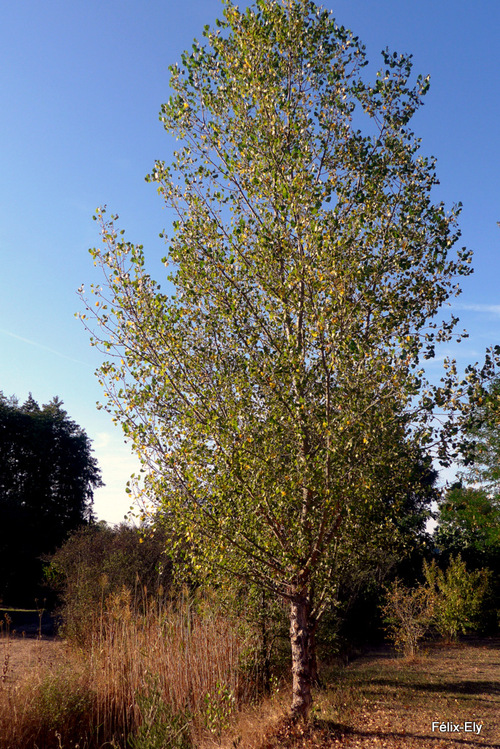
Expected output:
(300, 638)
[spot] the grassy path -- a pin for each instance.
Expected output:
(19, 656)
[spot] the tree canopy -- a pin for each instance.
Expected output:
(469, 512)
(98, 561)
(483, 432)
(469, 524)
(277, 398)
(47, 478)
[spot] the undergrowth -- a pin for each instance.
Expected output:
(149, 677)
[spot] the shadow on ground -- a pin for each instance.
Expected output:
(451, 687)
(321, 733)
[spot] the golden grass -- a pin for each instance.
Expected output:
(172, 669)
(180, 675)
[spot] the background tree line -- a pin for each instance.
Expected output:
(47, 508)
(47, 477)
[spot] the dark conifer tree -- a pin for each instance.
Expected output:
(47, 478)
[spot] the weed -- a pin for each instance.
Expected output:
(150, 676)
(161, 727)
(219, 706)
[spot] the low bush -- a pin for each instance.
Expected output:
(98, 561)
(408, 614)
(459, 596)
(450, 601)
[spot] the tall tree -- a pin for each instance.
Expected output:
(274, 398)
(469, 512)
(469, 524)
(47, 477)
(483, 438)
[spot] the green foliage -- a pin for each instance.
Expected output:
(62, 708)
(276, 399)
(469, 523)
(450, 600)
(99, 561)
(61, 700)
(264, 623)
(161, 727)
(272, 393)
(408, 614)
(219, 707)
(483, 439)
(459, 596)
(469, 513)
(47, 478)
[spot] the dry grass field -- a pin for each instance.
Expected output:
(21, 656)
(138, 681)
(378, 701)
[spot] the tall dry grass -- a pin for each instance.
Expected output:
(149, 677)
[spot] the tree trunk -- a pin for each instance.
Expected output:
(300, 638)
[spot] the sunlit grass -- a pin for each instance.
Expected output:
(176, 669)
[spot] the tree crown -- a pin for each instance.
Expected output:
(277, 398)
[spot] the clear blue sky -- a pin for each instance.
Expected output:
(81, 86)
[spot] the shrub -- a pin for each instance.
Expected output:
(459, 595)
(99, 561)
(408, 614)
(450, 600)
(160, 726)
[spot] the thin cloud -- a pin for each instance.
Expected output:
(40, 345)
(491, 309)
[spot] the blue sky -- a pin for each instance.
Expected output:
(82, 84)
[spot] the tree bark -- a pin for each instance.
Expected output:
(300, 638)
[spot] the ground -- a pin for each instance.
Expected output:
(391, 703)
(20, 655)
(379, 701)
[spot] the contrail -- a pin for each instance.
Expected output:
(40, 345)
(492, 309)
